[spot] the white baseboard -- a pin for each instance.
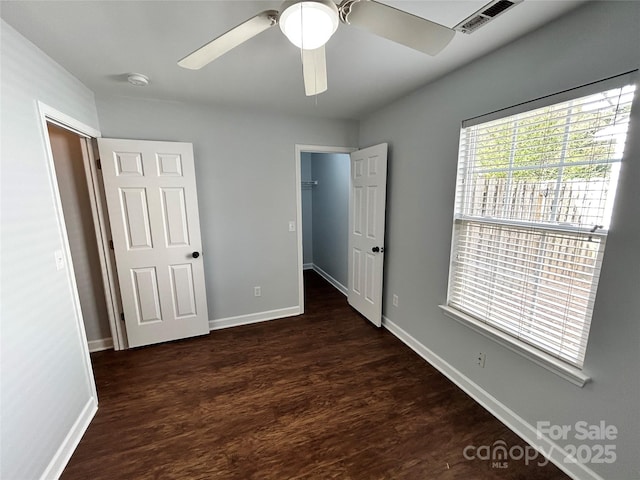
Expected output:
(253, 318)
(341, 288)
(554, 452)
(100, 344)
(307, 266)
(71, 440)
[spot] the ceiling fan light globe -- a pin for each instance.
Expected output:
(309, 24)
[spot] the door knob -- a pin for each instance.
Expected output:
(195, 254)
(375, 249)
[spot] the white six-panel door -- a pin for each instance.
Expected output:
(151, 198)
(367, 202)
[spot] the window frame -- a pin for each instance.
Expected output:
(562, 368)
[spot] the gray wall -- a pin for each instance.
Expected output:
(331, 214)
(45, 382)
(247, 197)
(245, 166)
(307, 209)
(76, 205)
(597, 41)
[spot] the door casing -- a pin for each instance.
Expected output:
(87, 135)
(299, 150)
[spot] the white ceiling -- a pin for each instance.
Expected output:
(101, 41)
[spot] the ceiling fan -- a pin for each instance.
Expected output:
(309, 24)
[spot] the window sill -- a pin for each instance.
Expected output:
(568, 372)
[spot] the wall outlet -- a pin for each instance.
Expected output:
(481, 359)
(257, 291)
(292, 226)
(394, 300)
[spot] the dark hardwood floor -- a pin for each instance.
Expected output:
(324, 395)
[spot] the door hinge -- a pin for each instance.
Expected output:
(111, 244)
(122, 316)
(99, 164)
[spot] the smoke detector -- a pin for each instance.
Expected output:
(138, 79)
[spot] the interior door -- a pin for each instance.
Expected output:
(151, 196)
(367, 201)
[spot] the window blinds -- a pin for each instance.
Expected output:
(534, 198)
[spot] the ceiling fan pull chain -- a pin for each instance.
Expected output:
(302, 26)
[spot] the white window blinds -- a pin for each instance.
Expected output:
(534, 199)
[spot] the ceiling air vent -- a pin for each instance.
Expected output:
(485, 15)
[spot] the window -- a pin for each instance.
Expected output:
(534, 198)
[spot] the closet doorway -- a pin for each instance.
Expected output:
(341, 209)
(324, 174)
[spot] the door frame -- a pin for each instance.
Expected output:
(88, 135)
(299, 150)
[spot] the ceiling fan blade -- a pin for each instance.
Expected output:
(314, 70)
(398, 26)
(231, 39)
